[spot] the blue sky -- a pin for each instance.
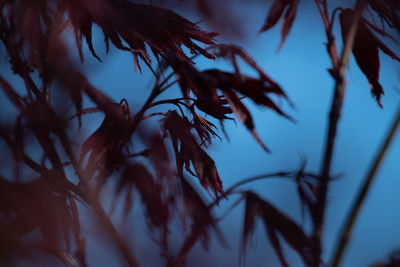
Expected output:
(301, 69)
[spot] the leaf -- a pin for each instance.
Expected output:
(365, 51)
(221, 16)
(197, 210)
(231, 52)
(275, 13)
(255, 89)
(190, 151)
(107, 142)
(388, 11)
(137, 25)
(159, 157)
(204, 128)
(151, 194)
(215, 109)
(274, 222)
(37, 206)
(244, 116)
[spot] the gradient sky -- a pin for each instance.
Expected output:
(301, 69)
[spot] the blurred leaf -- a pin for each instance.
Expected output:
(275, 222)
(275, 13)
(190, 151)
(365, 51)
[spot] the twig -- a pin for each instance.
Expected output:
(194, 235)
(330, 140)
(359, 201)
(328, 24)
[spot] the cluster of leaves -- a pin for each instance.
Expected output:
(43, 194)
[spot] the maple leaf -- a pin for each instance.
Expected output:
(275, 13)
(38, 205)
(255, 89)
(157, 209)
(136, 24)
(190, 151)
(204, 86)
(106, 143)
(231, 52)
(365, 51)
(388, 12)
(274, 222)
(198, 212)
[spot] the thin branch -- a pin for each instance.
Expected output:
(328, 23)
(334, 116)
(359, 201)
(194, 235)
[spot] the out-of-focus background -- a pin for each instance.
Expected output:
(300, 67)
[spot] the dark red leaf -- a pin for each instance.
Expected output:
(151, 194)
(107, 142)
(365, 51)
(138, 25)
(204, 128)
(275, 13)
(255, 89)
(39, 205)
(198, 212)
(230, 52)
(243, 115)
(190, 151)
(275, 222)
(388, 12)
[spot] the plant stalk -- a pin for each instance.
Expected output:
(359, 201)
(336, 107)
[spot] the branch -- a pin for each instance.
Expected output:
(330, 45)
(356, 208)
(334, 116)
(194, 235)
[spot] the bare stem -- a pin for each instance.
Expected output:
(359, 201)
(340, 85)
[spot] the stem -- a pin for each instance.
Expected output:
(194, 235)
(359, 201)
(330, 139)
(248, 180)
(330, 45)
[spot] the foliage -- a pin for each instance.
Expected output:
(43, 198)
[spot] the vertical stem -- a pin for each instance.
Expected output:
(334, 116)
(345, 235)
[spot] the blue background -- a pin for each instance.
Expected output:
(301, 69)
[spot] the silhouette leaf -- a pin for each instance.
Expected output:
(151, 194)
(388, 11)
(243, 115)
(274, 222)
(365, 51)
(275, 13)
(198, 212)
(136, 24)
(190, 151)
(231, 52)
